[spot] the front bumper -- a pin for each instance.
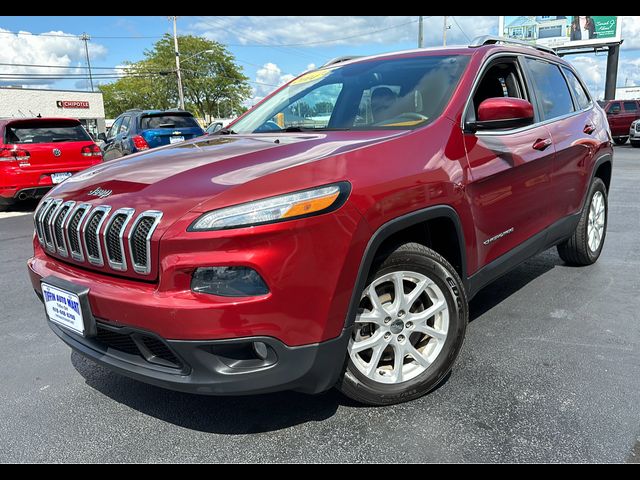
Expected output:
(217, 367)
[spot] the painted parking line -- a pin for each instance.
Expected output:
(14, 214)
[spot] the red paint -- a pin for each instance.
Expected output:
(620, 116)
(310, 265)
(504, 109)
(19, 171)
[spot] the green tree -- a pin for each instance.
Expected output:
(213, 84)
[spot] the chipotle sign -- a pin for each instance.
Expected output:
(72, 104)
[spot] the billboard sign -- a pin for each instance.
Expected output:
(562, 32)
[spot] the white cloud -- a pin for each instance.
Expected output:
(323, 31)
(268, 78)
(59, 49)
(631, 32)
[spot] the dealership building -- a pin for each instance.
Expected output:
(88, 107)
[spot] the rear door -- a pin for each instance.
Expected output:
(573, 127)
(510, 189)
(164, 128)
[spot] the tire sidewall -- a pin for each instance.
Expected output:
(597, 186)
(458, 317)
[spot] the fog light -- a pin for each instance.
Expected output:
(228, 282)
(261, 350)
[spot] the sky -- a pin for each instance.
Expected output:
(270, 50)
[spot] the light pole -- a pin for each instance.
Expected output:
(175, 42)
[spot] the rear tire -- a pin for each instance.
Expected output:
(585, 245)
(620, 140)
(414, 337)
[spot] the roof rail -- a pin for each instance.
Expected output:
(492, 40)
(344, 58)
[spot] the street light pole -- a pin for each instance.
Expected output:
(420, 32)
(444, 32)
(85, 38)
(175, 41)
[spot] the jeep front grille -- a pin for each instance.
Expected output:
(140, 240)
(97, 235)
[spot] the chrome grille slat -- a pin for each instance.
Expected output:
(47, 224)
(140, 240)
(58, 227)
(91, 234)
(72, 230)
(113, 238)
(37, 218)
(87, 233)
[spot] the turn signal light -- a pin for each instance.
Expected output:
(91, 151)
(14, 154)
(140, 143)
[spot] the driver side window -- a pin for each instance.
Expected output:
(499, 80)
(113, 131)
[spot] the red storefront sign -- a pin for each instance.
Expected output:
(72, 104)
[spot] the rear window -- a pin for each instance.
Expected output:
(551, 89)
(579, 92)
(630, 106)
(46, 132)
(167, 121)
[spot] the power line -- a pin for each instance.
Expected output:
(319, 42)
(460, 28)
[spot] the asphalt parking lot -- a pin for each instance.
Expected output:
(550, 372)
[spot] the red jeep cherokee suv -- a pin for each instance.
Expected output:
(334, 234)
(38, 153)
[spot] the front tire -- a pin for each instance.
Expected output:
(409, 328)
(585, 245)
(635, 143)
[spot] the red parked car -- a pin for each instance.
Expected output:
(621, 114)
(334, 234)
(38, 153)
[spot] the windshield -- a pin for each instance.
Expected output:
(379, 94)
(46, 132)
(167, 121)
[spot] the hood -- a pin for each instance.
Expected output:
(177, 178)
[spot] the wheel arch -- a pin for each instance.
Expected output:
(406, 227)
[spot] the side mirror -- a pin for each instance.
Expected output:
(503, 112)
(102, 136)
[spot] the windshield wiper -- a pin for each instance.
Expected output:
(225, 131)
(312, 129)
(64, 140)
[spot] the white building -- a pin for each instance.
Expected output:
(627, 93)
(88, 107)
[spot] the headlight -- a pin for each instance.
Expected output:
(275, 209)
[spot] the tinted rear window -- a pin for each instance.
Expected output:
(630, 106)
(551, 88)
(579, 92)
(46, 132)
(167, 121)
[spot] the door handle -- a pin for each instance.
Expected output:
(589, 129)
(542, 144)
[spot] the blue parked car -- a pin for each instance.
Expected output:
(138, 130)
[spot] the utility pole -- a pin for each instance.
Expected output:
(444, 32)
(85, 38)
(175, 41)
(420, 32)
